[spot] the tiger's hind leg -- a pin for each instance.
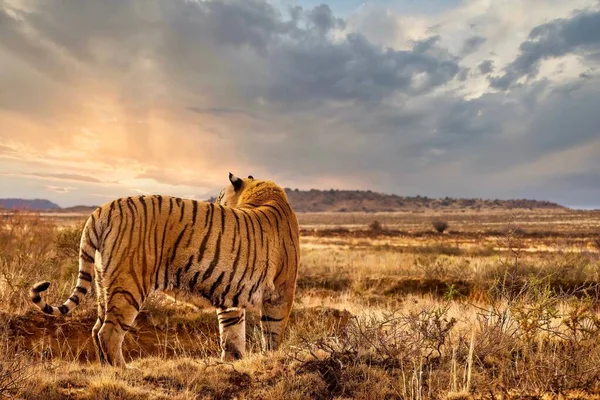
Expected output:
(100, 321)
(274, 317)
(96, 330)
(232, 329)
(121, 311)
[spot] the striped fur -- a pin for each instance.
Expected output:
(242, 251)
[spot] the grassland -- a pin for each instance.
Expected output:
(503, 304)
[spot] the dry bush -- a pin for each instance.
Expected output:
(596, 241)
(376, 226)
(440, 226)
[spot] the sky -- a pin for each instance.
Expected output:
(472, 98)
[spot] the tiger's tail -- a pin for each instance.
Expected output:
(87, 251)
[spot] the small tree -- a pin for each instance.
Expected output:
(597, 242)
(440, 226)
(375, 226)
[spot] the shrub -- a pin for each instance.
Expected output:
(375, 226)
(440, 226)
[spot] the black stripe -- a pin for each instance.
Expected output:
(194, 211)
(185, 268)
(205, 238)
(264, 214)
(155, 229)
(284, 264)
(182, 206)
(63, 309)
(235, 300)
(216, 284)
(214, 261)
(162, 246)
(236, 230)
(173, 255)
(124, 326)
(134, 212)
(261, 229)
(253, 263)
(110, 224)
(74, 299)
(86, 257)
(159, 198)
(177, 242)
(146, 230)
(232, 275)
(47, 309)
(118, 239)
(247, 261)
(211, 208)
(232, 321)
(144, 207)
(93, 227)
(37, 298)
(129, 297)
(266, 318)
(81, 290)
(277, 211)
(194, 281)
(88, 238)
(257, 284)
(85, 276)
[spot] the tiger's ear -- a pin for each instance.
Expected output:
(250, 177)
(235, 181)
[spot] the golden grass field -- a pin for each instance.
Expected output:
(504, 304)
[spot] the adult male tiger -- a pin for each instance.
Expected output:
(239, 252)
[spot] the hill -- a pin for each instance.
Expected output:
(335, 201)
(368, 201)
(79, 209)
(27, 204)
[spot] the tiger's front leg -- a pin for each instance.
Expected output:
(232, 328)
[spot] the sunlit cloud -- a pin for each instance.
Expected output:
(59, 189)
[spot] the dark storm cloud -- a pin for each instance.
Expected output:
(303, 63)
(579, 34)
(352, 70)
(485, 67)
(323, 19)
(472, 44)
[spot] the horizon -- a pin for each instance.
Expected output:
(576, 208)
(471, 99)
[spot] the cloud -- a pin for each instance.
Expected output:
(579, 35)
(382, 100)
(59, 189)
(176, 178)
(60, 177)
(6, 150)
(472, 44)
(485, 67)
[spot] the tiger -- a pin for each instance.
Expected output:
(240, 251)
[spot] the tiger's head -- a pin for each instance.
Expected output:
(249, 190)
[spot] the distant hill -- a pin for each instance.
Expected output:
(335, 201)
(368, 201)
(79, 209)
(25, 204)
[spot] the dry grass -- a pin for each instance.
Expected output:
(503, 313)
